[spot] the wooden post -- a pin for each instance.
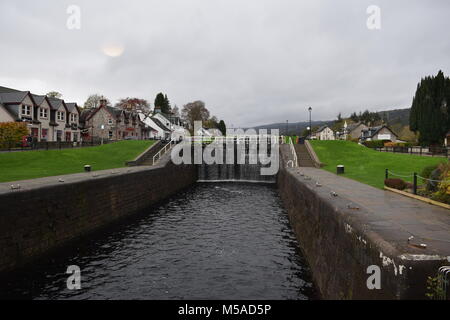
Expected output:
(415, 183)
(386, 174)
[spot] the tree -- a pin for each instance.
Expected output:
(339, 117)
(54, 94)
(93, 101)
(429, 115)
(222, 127)
(133, 104)
(212, 123)
(354, 117)
(175, 111)
(12, 132)
(162, 102)
(195, 111)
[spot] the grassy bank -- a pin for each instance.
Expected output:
(366, 165)
(35, 164)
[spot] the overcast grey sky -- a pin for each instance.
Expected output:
(252, 61)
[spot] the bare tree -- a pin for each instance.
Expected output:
(93, 101)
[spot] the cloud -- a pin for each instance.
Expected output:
(252, 62)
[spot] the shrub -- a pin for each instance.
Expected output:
(395, 183)
(12, 132)
(426, 172)
(442, 188)
(374, 144)
(434, 175)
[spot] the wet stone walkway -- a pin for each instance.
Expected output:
(393, 217)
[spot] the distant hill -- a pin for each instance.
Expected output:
(294, 128)
(398, 118)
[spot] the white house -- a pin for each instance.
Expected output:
(325, 133)
(157, 129)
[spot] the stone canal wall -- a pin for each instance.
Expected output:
(46, 213)
(342, 236)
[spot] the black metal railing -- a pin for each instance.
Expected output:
(422, 151)
(49, 145)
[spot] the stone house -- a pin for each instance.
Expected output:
(109, 123)
(352, 131)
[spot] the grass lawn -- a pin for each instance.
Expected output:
(366, 165)
(35, 164)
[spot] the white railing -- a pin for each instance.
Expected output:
(294, 153)
(231, 138)
(163, 151)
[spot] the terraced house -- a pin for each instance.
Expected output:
(48, 119)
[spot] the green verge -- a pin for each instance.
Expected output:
(367, 165)
(35, 164)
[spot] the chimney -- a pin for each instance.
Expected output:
(157, 109)
(102, 103)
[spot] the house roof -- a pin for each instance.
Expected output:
(372, 131)
(56, 103)
(8, 90)
(353, 126)
(13, 97)
(159, 124)
(13, 110)
(322, 128)
(73, 107)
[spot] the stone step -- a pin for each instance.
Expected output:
(304, 159)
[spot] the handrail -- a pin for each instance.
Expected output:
(294, 153)
(163, 151)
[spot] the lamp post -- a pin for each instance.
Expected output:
(310, 124)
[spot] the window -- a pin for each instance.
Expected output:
(60, 115)
(75, 137)
(73, 118)
(110, 135)
(110, 122)
(43, 113)
(26, 110)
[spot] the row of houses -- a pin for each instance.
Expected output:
(47, 119)
(52, 119)
(356, 131)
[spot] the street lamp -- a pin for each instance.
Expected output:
(310, 124)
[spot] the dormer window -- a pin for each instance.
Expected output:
(43, 113)
(60, 116)
(26, 110)
(73, 118)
